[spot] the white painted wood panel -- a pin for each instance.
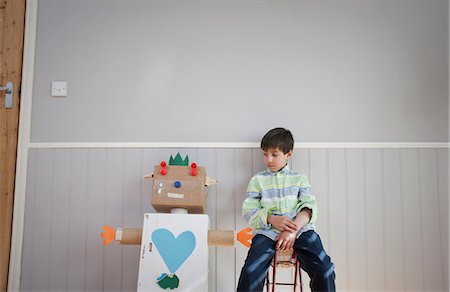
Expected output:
(357, 226)
(319, 179)
(301, 163)
(208, 159)
(97, 197)
(42, 221)
(412, 220)
(318, 161)
(393, 204)
(132, 175)
(338, 203)
(113, 258)
(59, 240)
(226, 216)
(375, 207)
(431, 234)
(443, 189)
(78, 206)
(375, 223)
(243, 164)
(27, 250)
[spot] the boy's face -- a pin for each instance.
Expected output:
(275, 159)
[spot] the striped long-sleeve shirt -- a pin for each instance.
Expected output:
(283, 193)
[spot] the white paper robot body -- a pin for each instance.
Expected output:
(174, 252)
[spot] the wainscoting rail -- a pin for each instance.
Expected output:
(237, 145)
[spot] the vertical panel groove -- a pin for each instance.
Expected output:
(27, 255)
(235, 215)
(234, 184)
(402, 214)
(36, 173)
(105, 172)
(347, 216)
(383, 198)
(328, 197)
(122, 216)
(439, 217)
(141, 171)
(52, 194)
(88, 203)
(422, 244)
(69, 217)
(365, 215)
(215, 215)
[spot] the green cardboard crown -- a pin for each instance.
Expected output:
(178, 160)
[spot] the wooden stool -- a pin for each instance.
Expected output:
(285, 259)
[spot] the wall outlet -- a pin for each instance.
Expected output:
(59, 88)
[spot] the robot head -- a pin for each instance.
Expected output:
(179, 185)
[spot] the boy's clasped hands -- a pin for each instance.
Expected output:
(286, 239)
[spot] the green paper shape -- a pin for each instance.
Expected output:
(178, 160)
(168, 281)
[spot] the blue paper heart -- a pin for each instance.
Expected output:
(174, 251)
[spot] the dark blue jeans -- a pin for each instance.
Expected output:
(309, 249)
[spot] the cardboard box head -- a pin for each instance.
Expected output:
(176, 187)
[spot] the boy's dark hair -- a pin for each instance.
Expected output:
(280, 138)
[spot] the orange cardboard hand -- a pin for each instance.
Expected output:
(244, 236)
(109, 234)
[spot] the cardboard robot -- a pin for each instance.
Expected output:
(174, 242)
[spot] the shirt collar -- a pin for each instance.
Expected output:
(284, 170)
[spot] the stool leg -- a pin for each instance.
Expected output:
(300, 275)
(274, 271)
(295, 275)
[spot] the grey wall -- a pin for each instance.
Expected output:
(197, 70)
(383, 215)
(228, 70)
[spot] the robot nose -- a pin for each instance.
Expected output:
(177, 184)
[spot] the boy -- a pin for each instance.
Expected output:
(280, 208)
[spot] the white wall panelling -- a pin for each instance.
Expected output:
(383, 214)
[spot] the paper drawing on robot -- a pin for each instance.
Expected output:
(174, 251)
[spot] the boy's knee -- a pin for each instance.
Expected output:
(323, 271)
(257, 265)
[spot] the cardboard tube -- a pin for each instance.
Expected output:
(131, 236)
(221, 238)
(215, 237)
(178, 211)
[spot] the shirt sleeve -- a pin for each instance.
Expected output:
(252, 211)
(306, 199)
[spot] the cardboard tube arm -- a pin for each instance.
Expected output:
(221, 238)
(215, 237)
(129, 235)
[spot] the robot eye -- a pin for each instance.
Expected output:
(177, 184)
(193, 169)
(163, 170)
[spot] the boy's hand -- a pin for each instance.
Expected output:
(285, 240)
(282, 223)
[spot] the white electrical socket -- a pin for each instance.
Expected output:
(59, 88)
